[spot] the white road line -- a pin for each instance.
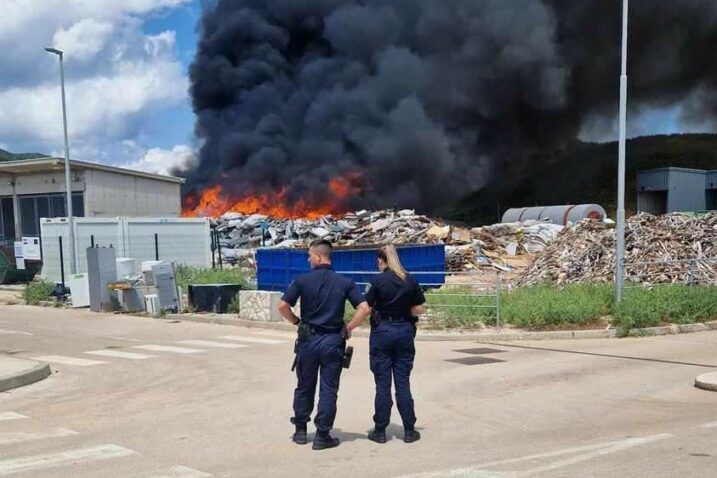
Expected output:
(181, 472)
(68, 360)
(4, 416)
(275, 333)
(13, 332)
(209, 343)
(252, 340)
(709, 425)
(168, 348)
(72, 457)
(19, 437)
(120, 354)
(594, 451)
(112, 337)
(624, 445)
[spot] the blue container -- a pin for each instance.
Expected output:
(276, 268)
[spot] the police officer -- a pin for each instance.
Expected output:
(322, 340)
(396, 299)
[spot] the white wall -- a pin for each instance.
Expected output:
(44, 183)
(109, 194)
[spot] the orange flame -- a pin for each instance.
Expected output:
(213, 201)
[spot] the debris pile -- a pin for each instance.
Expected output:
(466, 249)
(659, 250)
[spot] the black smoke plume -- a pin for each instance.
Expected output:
(428, 99)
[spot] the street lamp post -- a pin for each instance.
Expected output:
(68, 184)
(620, 252)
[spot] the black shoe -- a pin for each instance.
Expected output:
(377, 435)
(300, 435)
(411, 435)
(322, 442)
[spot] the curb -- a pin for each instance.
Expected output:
(26, 377)
(425, 335)
(707, 381)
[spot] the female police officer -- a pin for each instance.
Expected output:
(396, 299)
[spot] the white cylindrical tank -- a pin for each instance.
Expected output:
(561, 215)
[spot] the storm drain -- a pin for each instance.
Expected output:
(480, 351)
(474, 360)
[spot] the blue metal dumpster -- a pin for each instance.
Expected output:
(276, 268)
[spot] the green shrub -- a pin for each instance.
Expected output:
(37, 291)
(195, 275)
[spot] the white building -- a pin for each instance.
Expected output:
(34, 188)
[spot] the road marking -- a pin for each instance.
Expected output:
(709, 425)
(19, 437)
(168, 348)
(112, 337)
(119, 354)
(68, 360)
(252, 340)
(594, 451)
(275, 333)
(209, 343)
(10, 416)
(72, 457)
(13, 332)
(621, 446)
(181, 472)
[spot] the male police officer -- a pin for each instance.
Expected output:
(322, 340)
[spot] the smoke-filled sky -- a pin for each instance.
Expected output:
(425, 97)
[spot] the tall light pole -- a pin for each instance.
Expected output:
(68, 184)
(620, 252)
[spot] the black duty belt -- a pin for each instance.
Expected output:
(392, 319)
(323, 331)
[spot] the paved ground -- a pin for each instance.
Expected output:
(147, 398)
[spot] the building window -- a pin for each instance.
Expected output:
(7, 222)
(36, 206)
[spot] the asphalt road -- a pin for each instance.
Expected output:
(148, 398)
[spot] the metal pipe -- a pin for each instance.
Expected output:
(620, 252)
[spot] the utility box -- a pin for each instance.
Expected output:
(80, 290)
(101, 270)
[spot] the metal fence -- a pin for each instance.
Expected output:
(460, 300)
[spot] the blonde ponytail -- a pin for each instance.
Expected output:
(390, 256)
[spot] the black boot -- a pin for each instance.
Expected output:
(378, 435)
(411, 435)
(322, 441)
(300, 435)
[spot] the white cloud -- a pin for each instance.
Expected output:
(117, 76)
(84, 39)
(164, 161)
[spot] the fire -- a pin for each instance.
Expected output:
(215, 201)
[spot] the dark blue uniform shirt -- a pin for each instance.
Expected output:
(323, 295)
(392, 296)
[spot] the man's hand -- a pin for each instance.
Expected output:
(288, 314)
(362, 311)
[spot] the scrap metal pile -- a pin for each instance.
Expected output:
(466, 249)
(586, 252)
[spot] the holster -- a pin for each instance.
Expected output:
(303, 333)
(375, 318)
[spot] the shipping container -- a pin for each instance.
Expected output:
(276, 268)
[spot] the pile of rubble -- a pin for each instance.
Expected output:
(659, 250)
(467, 249)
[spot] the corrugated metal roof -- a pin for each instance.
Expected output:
(39, 165)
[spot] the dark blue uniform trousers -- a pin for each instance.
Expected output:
(320, 355)
(391, 355)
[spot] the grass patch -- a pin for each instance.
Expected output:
(577, 306)
(195, 275)
(676, 304)
(37, 291)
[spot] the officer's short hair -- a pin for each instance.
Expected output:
(323, 247)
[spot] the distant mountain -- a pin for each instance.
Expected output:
(8, 156)
(583, 173)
